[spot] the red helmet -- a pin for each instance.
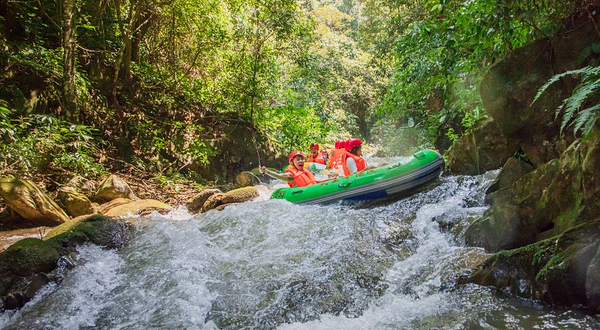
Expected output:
(340, 144)
(314, 145)
(294, 154)
(351, 143)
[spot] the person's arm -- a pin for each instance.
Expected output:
(281, 176)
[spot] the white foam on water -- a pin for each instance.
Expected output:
(272, 264)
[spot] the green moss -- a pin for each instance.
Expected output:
(96, 229)
(72, 224)
(28, 256)
(570, 217)
(557, 265)
(240, 195)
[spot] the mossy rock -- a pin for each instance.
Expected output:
(97, 229)
(138, 207)
(561, 270)
(114, 187)
(31, 202)
(511, 172)
(74, 202)
(235, 196)
(592, 284)
(212, 202)
(195, 205)
(483, 149)
(240, 195)
(82, 185)
(22, 268)
(29, 256)
(28, 264)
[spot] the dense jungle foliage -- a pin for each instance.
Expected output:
(88, 84)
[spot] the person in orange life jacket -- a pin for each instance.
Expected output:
(335, 159)
(352, 161)
(295, 175)
(315, 156)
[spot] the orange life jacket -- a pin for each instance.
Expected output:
(302, 178)
(335, 158)
(360, 163)
(319, 159)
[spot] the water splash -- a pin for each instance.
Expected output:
(272, 264)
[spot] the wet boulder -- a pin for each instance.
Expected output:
(223, 206)
(240, 195)
(29, 256)
(561, 270)
(483, 149)
(511, 172)
(97, 229)
(114, 187)
(212, 202)
(592, 283)
(138, 207)
(29, 264)
(74, 202)
(31, 203)
(195, 205)
(555, 197)
(20, 265)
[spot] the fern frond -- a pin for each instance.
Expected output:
(576, 100)
(560, 107)
(586, 119)
(584, 71)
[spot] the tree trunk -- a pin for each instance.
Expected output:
(69, 44)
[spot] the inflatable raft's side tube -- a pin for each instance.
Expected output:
(396, 177)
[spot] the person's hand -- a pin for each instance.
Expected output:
(261, 169)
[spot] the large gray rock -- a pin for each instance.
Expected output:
(483, 149)
(31, 203)
(510, 86)
(511, 172)
(592, 283)
(562, 270)
(555, 197)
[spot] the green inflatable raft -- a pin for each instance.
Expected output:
(390, 179)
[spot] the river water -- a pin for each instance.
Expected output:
(276, 265)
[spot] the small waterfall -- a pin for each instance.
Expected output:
(272, 264)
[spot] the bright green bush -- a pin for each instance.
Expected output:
(36, 143)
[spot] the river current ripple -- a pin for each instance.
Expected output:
(276, 265)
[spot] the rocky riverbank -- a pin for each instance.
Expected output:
(81, 211)
(544, 221)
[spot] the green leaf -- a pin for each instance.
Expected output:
(88, 27)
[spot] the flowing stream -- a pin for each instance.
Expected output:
(276, 265)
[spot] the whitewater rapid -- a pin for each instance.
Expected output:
(271, 264)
